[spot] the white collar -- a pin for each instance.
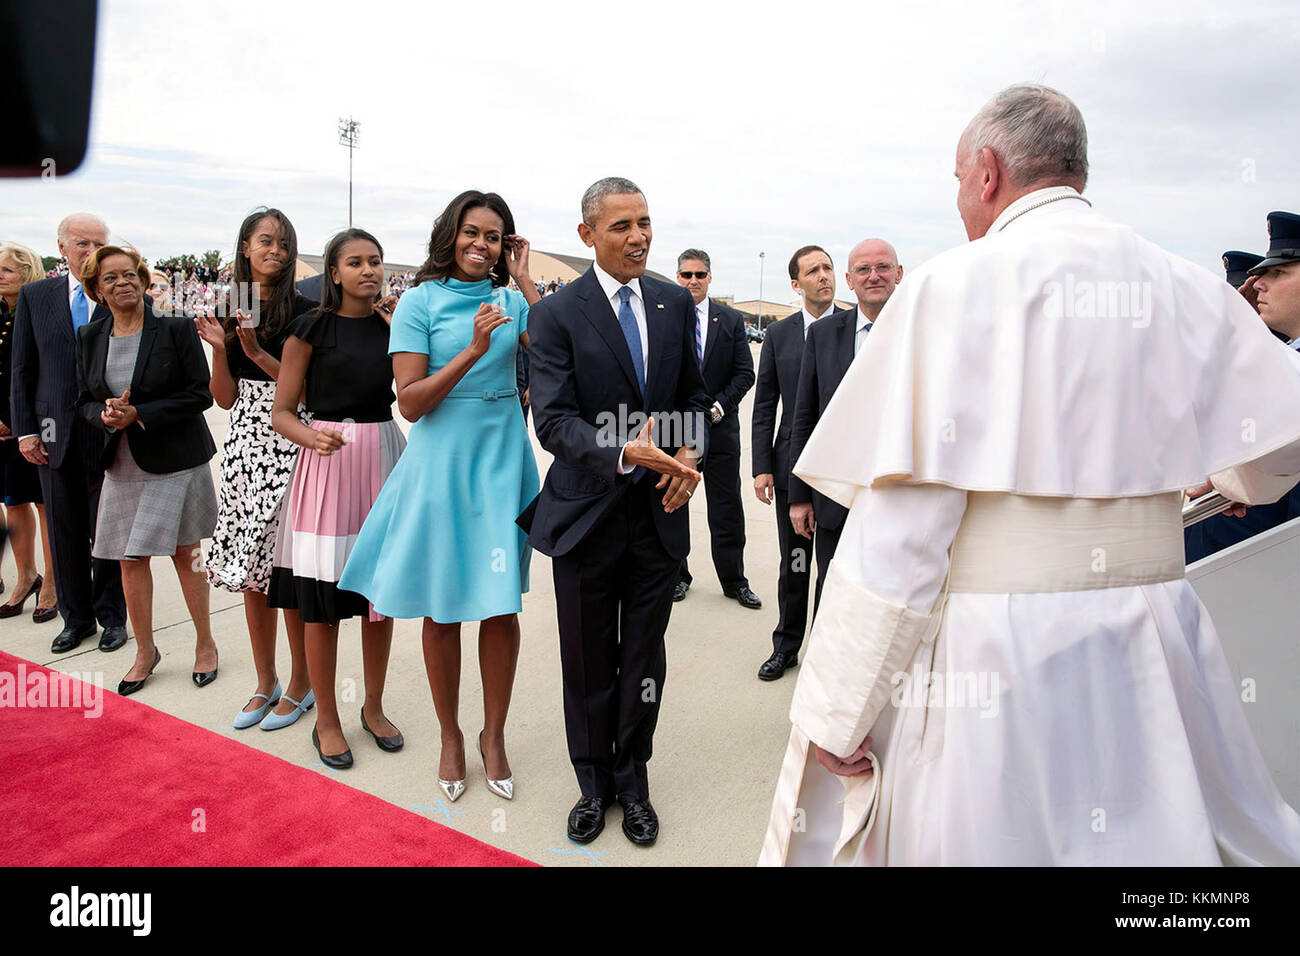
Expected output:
(610, 285)
(808, 318)
(1033, 200)
(862, 321)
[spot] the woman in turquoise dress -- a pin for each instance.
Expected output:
(441, 540)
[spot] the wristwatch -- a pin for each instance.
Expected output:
(715, 414)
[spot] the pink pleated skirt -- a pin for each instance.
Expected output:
(328, 499)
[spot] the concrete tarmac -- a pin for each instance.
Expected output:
(721, 736)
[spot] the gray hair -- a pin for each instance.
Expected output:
(597, 191)
(80, 217)
(695, 254)
(1036, 132)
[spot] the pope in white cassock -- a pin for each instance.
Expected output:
(1008, 666)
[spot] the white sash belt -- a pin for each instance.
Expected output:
(1010, 544)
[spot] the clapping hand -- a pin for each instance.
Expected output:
(248, 338)
(486, 321)
(119, 413)
(327, 442)
(385, 307)
(210, 331)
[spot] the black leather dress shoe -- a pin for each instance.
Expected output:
(745, 598)
(70, 637)
(679, 592)
(587, 819)
(203, 678)
(640, 822)
(776, 665)
(114, 637)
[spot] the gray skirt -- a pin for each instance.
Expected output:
(143, 514)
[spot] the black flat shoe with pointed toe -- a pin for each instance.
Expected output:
(126, 688)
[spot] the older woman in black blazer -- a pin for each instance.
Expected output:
(143, 377)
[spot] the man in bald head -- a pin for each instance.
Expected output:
(827, 354)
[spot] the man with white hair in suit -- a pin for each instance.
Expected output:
(64, 446)
(1008, 665)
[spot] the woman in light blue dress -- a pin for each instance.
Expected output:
(441, 540)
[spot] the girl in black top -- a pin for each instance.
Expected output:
(339, 355)
(256, 463)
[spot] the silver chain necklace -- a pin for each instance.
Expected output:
(1042, 202)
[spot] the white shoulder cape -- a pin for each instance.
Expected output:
(1064, 356)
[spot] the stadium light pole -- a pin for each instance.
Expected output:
(349, 136)
(760, 290)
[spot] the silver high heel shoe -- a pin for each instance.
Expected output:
(502, 788)
(452, 788)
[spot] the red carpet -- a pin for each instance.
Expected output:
(121, 789)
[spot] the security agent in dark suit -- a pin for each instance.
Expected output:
(728, 371)
(607, 349)
(779, 362)
(1271, 284)
(68, 449)
(828, 352)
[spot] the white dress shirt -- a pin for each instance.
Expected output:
(860, 333)
(809, 319)
(610, 286)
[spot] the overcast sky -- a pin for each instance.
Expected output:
(754, 126)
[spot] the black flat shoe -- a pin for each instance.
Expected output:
(70, 637)
(744, 597)
(203, 678)
(679, 592)
(114, 636)
(640, 822)
(335, 761)
(587, 819)
(126, 688)
(43, 614)
(13, 610)
(389, 744)
(776, 665)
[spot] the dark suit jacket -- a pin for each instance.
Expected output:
(827, 355)
(728, 366)
(586, 404)
(778, 379)
(169, 390)
(44, 382)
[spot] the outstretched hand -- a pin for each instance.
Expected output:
(643, 452)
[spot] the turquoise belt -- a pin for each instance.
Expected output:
(490, 395)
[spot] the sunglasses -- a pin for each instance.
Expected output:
(697, 275)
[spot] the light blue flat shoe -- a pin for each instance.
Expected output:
(274, 721)
(246, 718)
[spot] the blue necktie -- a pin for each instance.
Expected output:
(627, 322)
(699, 335)
(80, 309)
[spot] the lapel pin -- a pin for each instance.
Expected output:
(659, 305)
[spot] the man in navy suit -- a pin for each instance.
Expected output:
(66, 448)
(812, 275)
(728, 372)
(828, 352)
(608, 352)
